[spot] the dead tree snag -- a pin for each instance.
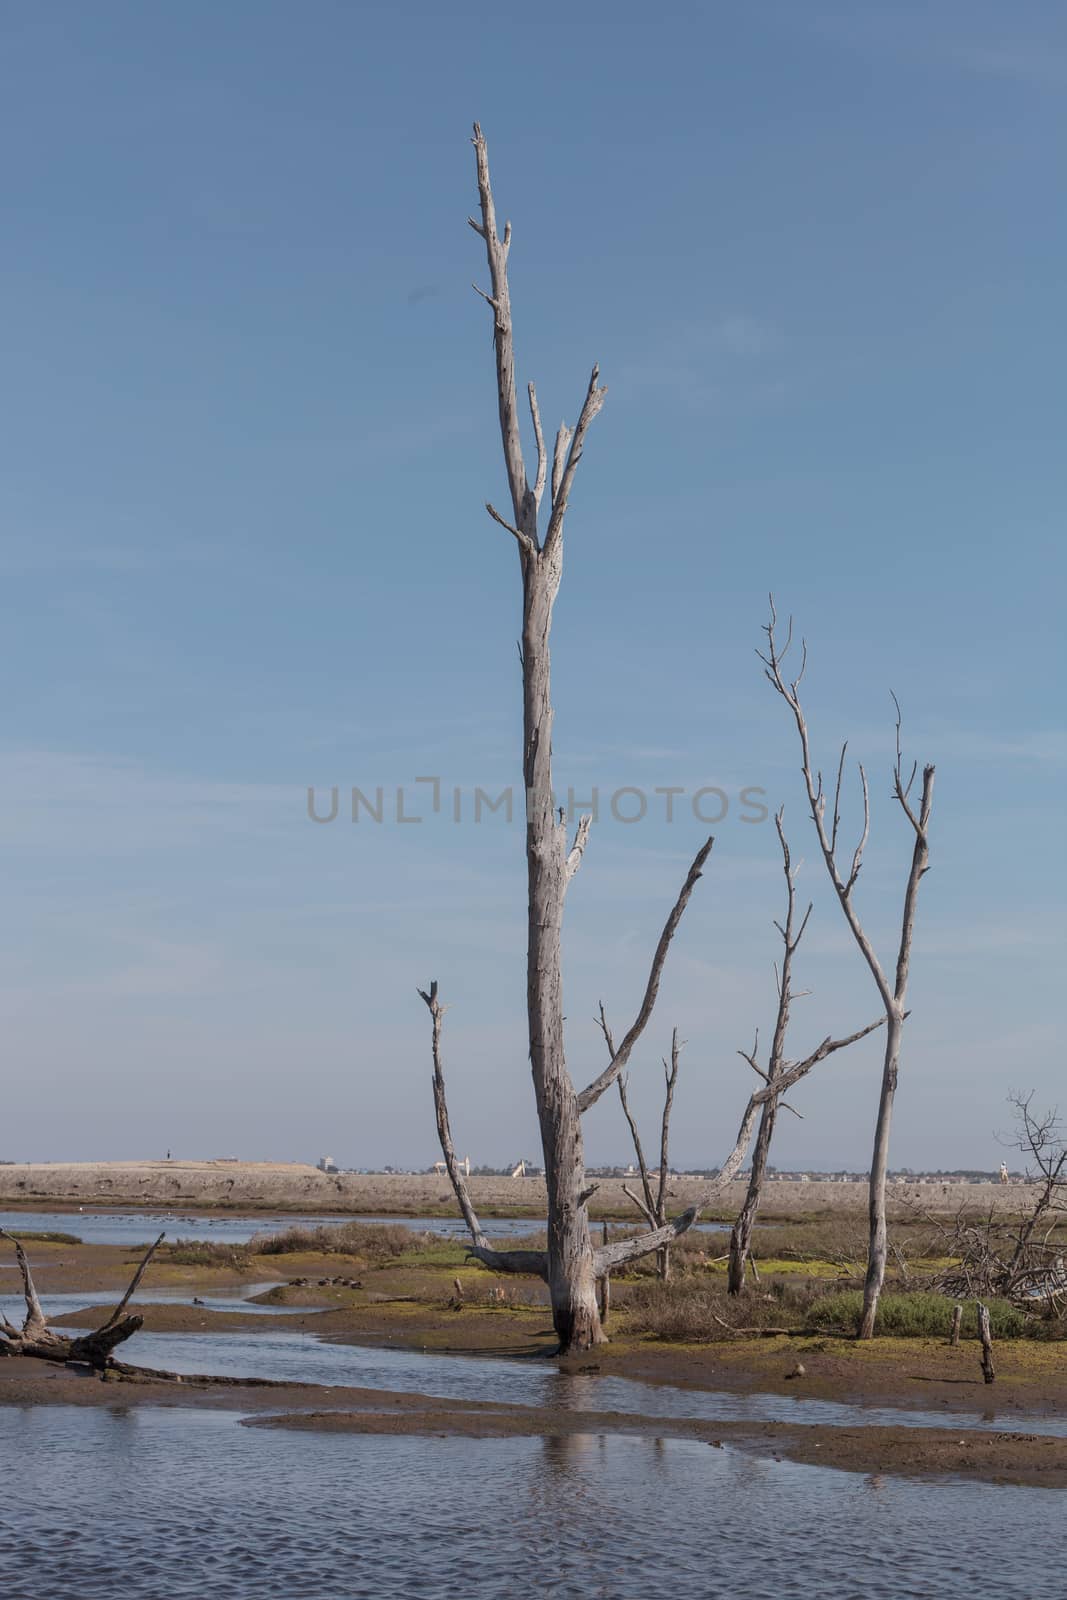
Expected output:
(892, 992)
(570, 1263)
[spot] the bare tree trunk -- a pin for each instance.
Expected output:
(605, 1283)
(571, 1278)
(989, 1372)
(877, 1244)
(741, 1232)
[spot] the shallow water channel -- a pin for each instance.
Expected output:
(139, 1227)
(171, 1504)
(301, 1357)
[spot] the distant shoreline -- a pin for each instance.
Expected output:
(236, 1186)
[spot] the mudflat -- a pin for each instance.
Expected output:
(1020, 1457)
(349, 1301)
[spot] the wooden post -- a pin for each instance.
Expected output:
(988, 1369)
(957, 1318)
(604, 1285)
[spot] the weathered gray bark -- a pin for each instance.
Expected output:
(652, 1203)
(36, 1338)
(569, 1268)
(604, 1283)
(989, 1371)
(892, 994)
(741, 1233)
(531, 1262)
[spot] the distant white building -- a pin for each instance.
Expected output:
(441, 1167)
(327, 1164)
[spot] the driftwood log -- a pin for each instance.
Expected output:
(36, 1338)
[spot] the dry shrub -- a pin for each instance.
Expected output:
(377, 1243)
(203, 1253)
(694, 1310)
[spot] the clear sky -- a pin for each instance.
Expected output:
(248, 422)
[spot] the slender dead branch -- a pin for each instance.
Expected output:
(522, 498)
(542, 455)
(559, 458)
(591, 1094)
(529, 1261)
(791, 1073)
(138, 1275)
(563, 481)
(577, 850)
(641, 1204)
(653, 1207)
(35, 1317)
(648, 1206)
(525, 542)
(671, 1078)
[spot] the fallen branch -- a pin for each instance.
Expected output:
(36, 1338)
(533, 1262)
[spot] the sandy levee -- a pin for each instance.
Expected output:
(292, 1186)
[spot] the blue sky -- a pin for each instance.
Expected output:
(249, 425)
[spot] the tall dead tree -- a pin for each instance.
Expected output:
(891, 991)
(571, 1266)
(652, 1201)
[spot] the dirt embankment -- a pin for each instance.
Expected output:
(279, 1186)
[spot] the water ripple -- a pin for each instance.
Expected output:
(171, 1504)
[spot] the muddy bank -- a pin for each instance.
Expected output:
(412, 1306)
(905, 1374)
(277, 1186)
(925, 1374)
(1017, 1458)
